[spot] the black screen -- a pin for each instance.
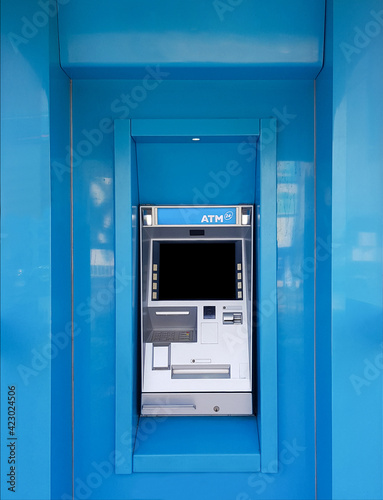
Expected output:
(197, 271)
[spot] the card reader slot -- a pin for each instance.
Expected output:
(200, 371)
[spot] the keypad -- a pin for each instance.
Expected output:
(171, 336)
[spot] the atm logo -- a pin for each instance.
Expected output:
(216, 219)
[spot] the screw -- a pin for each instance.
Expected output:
(216, 408)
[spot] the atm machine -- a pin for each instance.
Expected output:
(196, 307)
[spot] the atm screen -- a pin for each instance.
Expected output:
(197, 270)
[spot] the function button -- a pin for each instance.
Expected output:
(155, 267)
(239, 285)
(239, 266)
(154, 286)
(154, 295)
(155, 276)
(239, 276)
(240, 295)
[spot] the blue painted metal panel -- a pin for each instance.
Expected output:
(213, 174)
(323, 209)
(267, 289)
(357, 265)
(126, 294)
(192, 40)
(61, 291)
(197, 444)
(96, 103)
(208, 130)
(94, 299)
(26, 350)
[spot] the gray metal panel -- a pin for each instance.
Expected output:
(215, 343)
(219, 404)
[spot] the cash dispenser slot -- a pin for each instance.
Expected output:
(208, 371)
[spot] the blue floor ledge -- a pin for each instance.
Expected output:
(197, 444)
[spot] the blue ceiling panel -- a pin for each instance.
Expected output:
(193, 39)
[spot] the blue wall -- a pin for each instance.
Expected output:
(61, 275)
(35, 253)
(323, 192)
(332, 210)
(357, 223)
(25, 253)
(94, 102)
(349, 189)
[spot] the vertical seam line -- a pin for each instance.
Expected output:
(315, 295)
(72, 269)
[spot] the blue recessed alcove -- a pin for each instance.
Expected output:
(197, 162)
(160, 161)
(197, 444)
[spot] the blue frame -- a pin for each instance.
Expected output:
(267, 291)
(126, 292)
(161, 454)
(208, 130)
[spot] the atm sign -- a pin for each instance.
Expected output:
(216, 219)
(196, 216)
